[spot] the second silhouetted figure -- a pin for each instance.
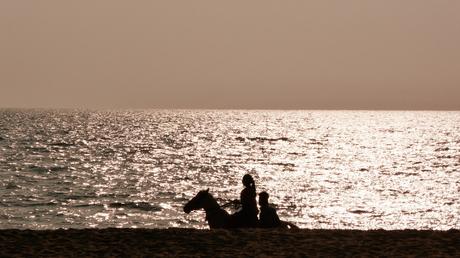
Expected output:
(268, 216)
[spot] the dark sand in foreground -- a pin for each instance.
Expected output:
(231, 243)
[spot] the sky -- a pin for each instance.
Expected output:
(251, 54)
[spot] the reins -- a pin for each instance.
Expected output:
(233, 202)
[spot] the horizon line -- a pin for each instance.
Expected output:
(223, 109)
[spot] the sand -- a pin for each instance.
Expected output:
(226, 243)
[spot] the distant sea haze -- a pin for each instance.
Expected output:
(322, 169)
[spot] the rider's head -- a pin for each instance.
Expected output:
(248, 180)
(263, 199)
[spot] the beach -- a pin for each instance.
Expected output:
(112, 242)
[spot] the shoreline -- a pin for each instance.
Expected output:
(113, 242)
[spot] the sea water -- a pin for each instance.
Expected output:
(137, 168)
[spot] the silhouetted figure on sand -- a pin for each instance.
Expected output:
(247, 216)
(268, 216)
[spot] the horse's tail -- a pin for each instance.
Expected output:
(288, 225)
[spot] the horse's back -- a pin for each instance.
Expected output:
(220, 219)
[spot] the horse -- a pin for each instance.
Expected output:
(216, 216)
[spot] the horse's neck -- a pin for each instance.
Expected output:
(215, 215)
(211, 205)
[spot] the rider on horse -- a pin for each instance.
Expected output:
(247, 216)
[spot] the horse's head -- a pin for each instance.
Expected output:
(197, 202)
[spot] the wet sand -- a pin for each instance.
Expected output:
(226, 243)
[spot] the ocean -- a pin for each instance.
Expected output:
(137, 168)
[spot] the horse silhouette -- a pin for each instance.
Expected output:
(216, 216)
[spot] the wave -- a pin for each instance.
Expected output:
(38, 149)
(79, 196)
(38, 169)
(88, 205)
(28, 204)
(62, 144)
(43, 169)
(442, 149)
(261, 139)
(283, 164)
(144, 206)
(359, 211)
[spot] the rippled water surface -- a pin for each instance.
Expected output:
(323, 169)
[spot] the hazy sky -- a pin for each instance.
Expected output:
(324, 54)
